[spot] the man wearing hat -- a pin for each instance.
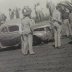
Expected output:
(27, 30)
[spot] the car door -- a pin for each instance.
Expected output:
(40, 32)
(4, 36)
(13, 33)
(9, 36)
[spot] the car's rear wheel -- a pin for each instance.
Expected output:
(0, 45)
(36, 40)
(45, 41)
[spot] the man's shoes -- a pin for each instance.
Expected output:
(32, 53)
(58, 47)
(55, 47)
(24, 53)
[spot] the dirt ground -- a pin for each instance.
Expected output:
(46, 59)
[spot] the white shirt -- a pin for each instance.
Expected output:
(27, 24)
(56, 15)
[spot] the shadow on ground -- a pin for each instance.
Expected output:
(9, 48)
(18, 47)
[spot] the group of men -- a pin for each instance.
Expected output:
(62, 21)
(57, 22)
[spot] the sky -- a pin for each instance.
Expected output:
(6, 4)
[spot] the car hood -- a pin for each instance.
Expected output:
(39, 33)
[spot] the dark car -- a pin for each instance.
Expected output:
(10, 34)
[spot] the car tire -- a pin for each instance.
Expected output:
(45, 41)
(0, 45)
(36, 40)
(19, 46)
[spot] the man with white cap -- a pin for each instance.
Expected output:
(27, 30)
(56, 17)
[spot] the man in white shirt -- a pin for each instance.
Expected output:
(27, 30)
(57, 27)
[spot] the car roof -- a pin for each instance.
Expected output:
(12, 22)
(42, 25)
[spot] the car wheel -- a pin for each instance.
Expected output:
(19, 46)
(0, 45)
(45, 41)
(36, 40)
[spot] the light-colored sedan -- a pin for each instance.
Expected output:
(42, 33)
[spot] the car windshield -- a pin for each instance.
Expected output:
(4, 29)
(13, 28)
(39, 29)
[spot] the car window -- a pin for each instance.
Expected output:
(4, 29)
(13, 28)
(39, 29)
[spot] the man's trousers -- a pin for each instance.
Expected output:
(57, 35)
(27, 44)
(67, 27)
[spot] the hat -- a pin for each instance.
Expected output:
(26, 11)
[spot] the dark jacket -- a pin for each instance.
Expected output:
(65, 15)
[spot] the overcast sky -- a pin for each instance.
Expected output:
(6, 4)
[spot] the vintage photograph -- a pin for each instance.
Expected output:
(35, 35)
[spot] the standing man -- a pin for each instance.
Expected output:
(57, 27)
(70, 20)
(65, 18)
(27, 31)
(11, 14)
(2, 18)
(17, 14)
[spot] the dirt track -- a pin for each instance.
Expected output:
(46, 59)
